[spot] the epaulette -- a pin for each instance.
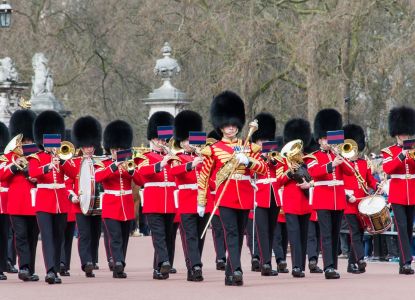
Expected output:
(34, 155)
(99, 163)
(210, 141)
(255, 147)
(387, 151)
(310, 156)
(206, 151)
(4, 158)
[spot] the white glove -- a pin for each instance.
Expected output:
(242, 158)
(201, 211)
(75, 198)
(352, 199)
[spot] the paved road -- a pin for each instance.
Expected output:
(380, 282)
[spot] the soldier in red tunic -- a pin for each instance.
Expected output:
(86, 135)
(4, 223)
(117, 202)
(267, 200)
(158, 199)
(186, 171)
(295, 196)
(21, 206)
(399, 164)
(52, 204)
(329, 199)
(228, 116)
(354, 192)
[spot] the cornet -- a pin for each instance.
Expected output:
(66, 150)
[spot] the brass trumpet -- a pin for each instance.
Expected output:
(170, 149)
(349, 149)
(66, 150)
(129, 165)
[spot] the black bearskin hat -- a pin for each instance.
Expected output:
(327, 119)
(266, 127)
(160, 118)
(87, 131)
(356, 133)
(48, 122)
(227, 108)
(68, 136)
(297, 129)
(4, 136)
(118, 134)
(185, 121)
(280, 142)
(215, 135)
(21, 122)
(401, 121)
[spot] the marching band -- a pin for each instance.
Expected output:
(298, 194)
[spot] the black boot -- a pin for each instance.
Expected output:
(50, 277)
(297, 272)
(157, 275)
(255, 265)
(352, 268)
(314, 268)
(361, 264)
(266, 270)
(2, 276)
(11, 268)
(165, 267)
(119, 270)
(24, 274)
(282, 267)
(406, 269)
(195, 274)
(63, 270)
(236, 279)
(330, 273)
(88, 269)
(220, 265)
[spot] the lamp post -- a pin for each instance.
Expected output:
(5, 14)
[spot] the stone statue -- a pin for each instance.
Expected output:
(166, 67)
(42, 82)
(8, 70)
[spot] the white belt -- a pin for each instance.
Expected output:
(192, 186)
(240, 177)
(402, 176)
(118, 192)
(160, 184)
(329, 182)
(4, 189)
(51, 186)
(266, 180)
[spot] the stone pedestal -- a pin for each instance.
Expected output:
(47, 101)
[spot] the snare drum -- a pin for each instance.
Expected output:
(375, 214)
(89, 191)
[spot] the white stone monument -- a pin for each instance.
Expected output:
(42, 87)
(167, 97)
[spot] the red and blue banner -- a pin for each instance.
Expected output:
(124, 155)
(270, 146)
(409, 144)
(164, 132)
(29, 149)
(335, 137)
(52, 140)
(197, 137)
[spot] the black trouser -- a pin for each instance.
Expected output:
(297, 229)
(218, 238)
(357, 250)
(330, 223)
(89, 233)
(234, 225)
(11, 247)
(404, 218)
(66, 251)
(162, 227)
(192, 227)
(251, 239)
(313, 240)
(27, 233)
(118, 235)
(172, 250)
(107, 245)
(4, 236)
(52, 228)
(280, 243)
(265, 221)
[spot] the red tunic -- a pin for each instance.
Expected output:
(19, 193)
(294, 200)
(159, 185)
(239, 193)
(117, 201)
(51, 192)
(186, 182)
(402, 172)
(328, 191)
(352, 186)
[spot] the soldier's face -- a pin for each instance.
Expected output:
(323, 143)
(229, 131)
(401, 137)
(88, 151)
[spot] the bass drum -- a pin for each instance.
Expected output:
(375, 214)
(89, 191)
